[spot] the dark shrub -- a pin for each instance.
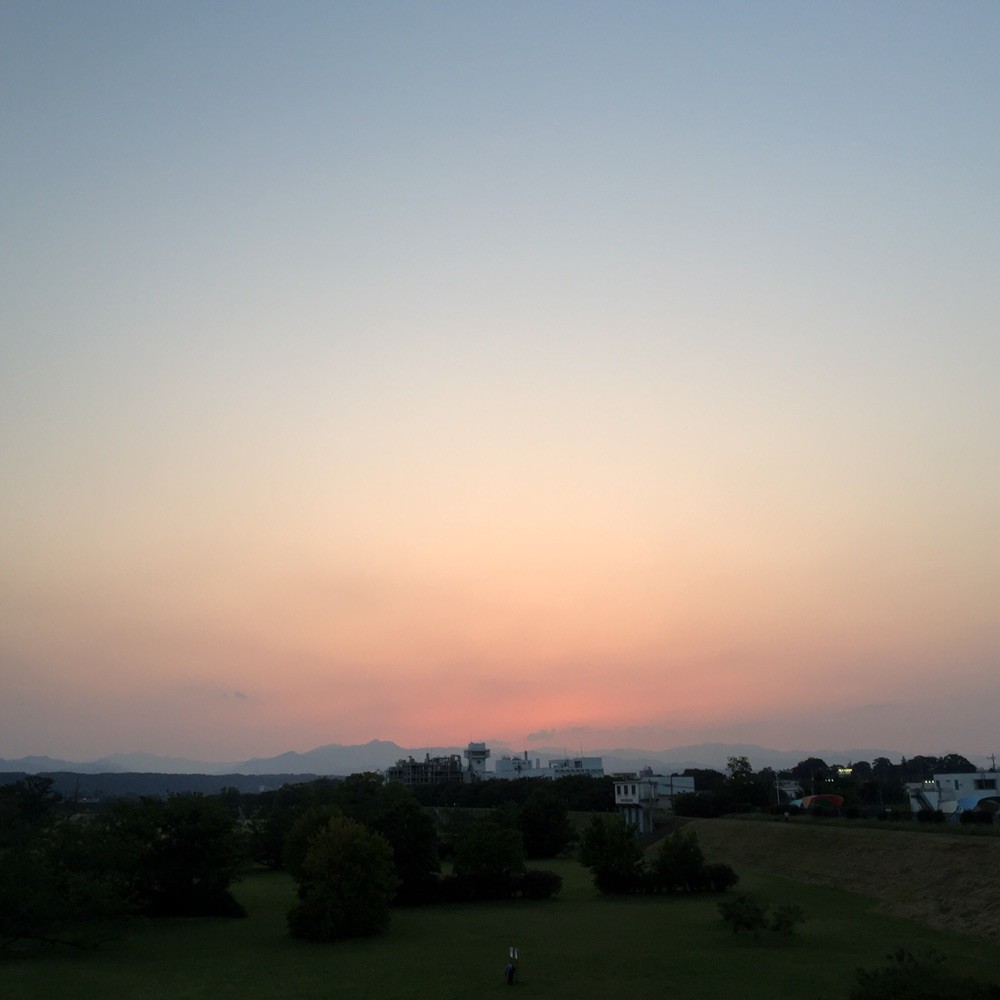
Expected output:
(180, 854)
(918, 977)
(609, 848)
(613, 881)
(539, 883)
(679, 865)
(490, 859)
(743, 913)
(785, 917)
(697, 804)
(974, 817)
(720, 877)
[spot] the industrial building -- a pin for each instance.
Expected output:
(429, 771)
(434, 770)
(510, 768)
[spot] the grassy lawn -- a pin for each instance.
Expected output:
(577, 946)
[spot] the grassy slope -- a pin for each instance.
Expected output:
(578, 946)
(949, 882)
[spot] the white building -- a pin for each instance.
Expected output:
(476, 754)
(639, 798)
(510, 767)
(562, 767)
(953, 793)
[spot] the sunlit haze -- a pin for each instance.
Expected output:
(548, 373)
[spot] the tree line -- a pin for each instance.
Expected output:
(866, 787)
(355, 847)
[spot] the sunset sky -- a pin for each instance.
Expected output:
(549, 373)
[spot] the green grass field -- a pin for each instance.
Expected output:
(577, 946)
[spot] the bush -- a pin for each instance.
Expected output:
(744, 913)
(974, 817)
(918, 977)
(679, 865)
(786, 917)
(490, 860)
(720, 877)
(930, 816)
(609, 848)
(695, 804)
(537, 883)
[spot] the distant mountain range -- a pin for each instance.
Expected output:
(337, 759)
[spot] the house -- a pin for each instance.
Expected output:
(640, 796)
(955, 793)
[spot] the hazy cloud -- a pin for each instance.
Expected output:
(541, 734)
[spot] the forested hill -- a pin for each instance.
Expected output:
(75, 786)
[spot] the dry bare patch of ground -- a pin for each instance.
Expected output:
(951, 883)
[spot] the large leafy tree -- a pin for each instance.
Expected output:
(180, 854)
(955, 763)
(276, 813)
(346, 883)
(410, 832)
(679, 864)
(610, 849)
(58, 877)
(287, 821)
(742, 788)
(544, 823)
(810, 773)
(489, 859)
(300, 837)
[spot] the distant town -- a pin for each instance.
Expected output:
(950, 787)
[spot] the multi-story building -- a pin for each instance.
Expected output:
(642, 795)
(429, 771)
(510, 767)
(563, 767)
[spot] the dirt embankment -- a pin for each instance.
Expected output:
(951, 883)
